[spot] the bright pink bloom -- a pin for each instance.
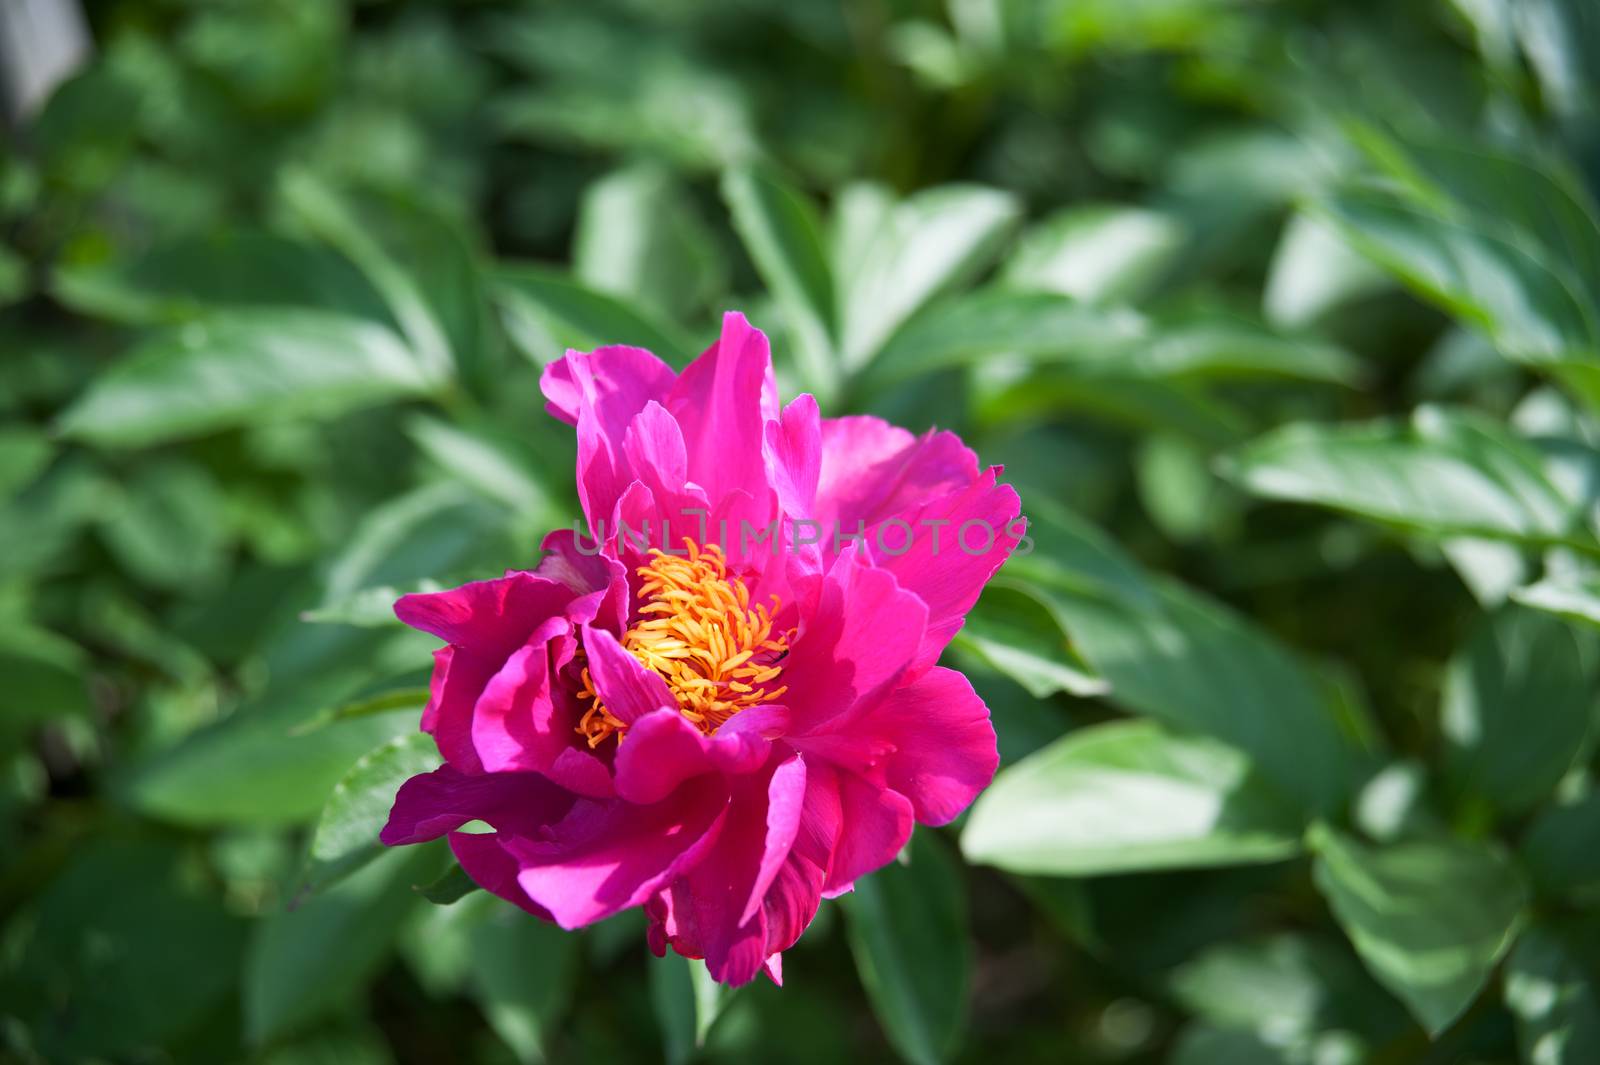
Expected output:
(727, 733)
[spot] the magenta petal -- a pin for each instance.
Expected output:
(431, 804)
(874, 825)
(661, 751)
(493, 868)
(654, 446)
(943, 743)
(794, 456)
(871, 470)
(514, 724)
(947, 565)
(628, 689)
(862, 636)
(723, 400)
(786, 797)
(613, 383)
(608, 855)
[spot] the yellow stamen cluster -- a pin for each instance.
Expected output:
(698, 630)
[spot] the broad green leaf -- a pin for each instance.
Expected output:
(450, 888)
(1430, 917)
(368, 607)
(1314, 270)
(1014, 631)
(1576, 597)
(1532, 312)
(1036, 325)
(493, 463)
(687, 1003)
(24, 453)
(118, 954)
(418, 260)
(1125, 797)
(1562, 847)
(639, 238)
(1097, 253)
(1518, 700)
(1285, 986)
(46, 677)
(926, 245)
(168, 528)
(308, 962)
(907, 927)
(1448, 473)
(522, 976)
(346, 835)
(783, 237)
(191, 276)
(1551, 993)
(547, 313)
(242, 368)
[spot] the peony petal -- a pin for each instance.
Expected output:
(515, 725)
(875, 824)
(431, 804)
(724, 400)
(871, 470)
(862, 636)
(608, 855)
(942, 744)
(794, 456)
(492, 868)
(786, 796)
(628, 688)
(956, 543)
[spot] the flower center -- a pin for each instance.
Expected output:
(697, 629)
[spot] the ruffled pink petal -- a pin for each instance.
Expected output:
(930, 740)
(955, 544)
(608, 855)
(791, 901)
(431, 804)
(871, 470)
(579, 564)
(794, 456)
(627, 687)
(709, 902)
(662, 750)
(515, 725)
(875, 824)
(723, 400)
(492, 868)
(485, 622)
(600, 393)
(861, 637)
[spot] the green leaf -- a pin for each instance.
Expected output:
(1013, 630)
(168, 528)
(1562, 848)
(1531, 311)
(783, 237)
(1450, 472)
(1098, 253)
(243, 368)
(1430, 917)
(306, 963)
(908, 932)
(547, 313)
(450, 888)
(1315, 271)
(24, 453)
(522, 976)
(687, 1003)
(191, 276)
(1575, 596)
(368, 607)
(493, 463)
(1124, 797)
(639, 238)
(346, 836)
(932, 243)
(1517, 704)
(1550, 992)
(118, 955)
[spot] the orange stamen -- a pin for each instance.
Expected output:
(697, 629)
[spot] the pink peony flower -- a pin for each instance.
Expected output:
(721, 704)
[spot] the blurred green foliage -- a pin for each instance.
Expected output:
(1284, 317)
